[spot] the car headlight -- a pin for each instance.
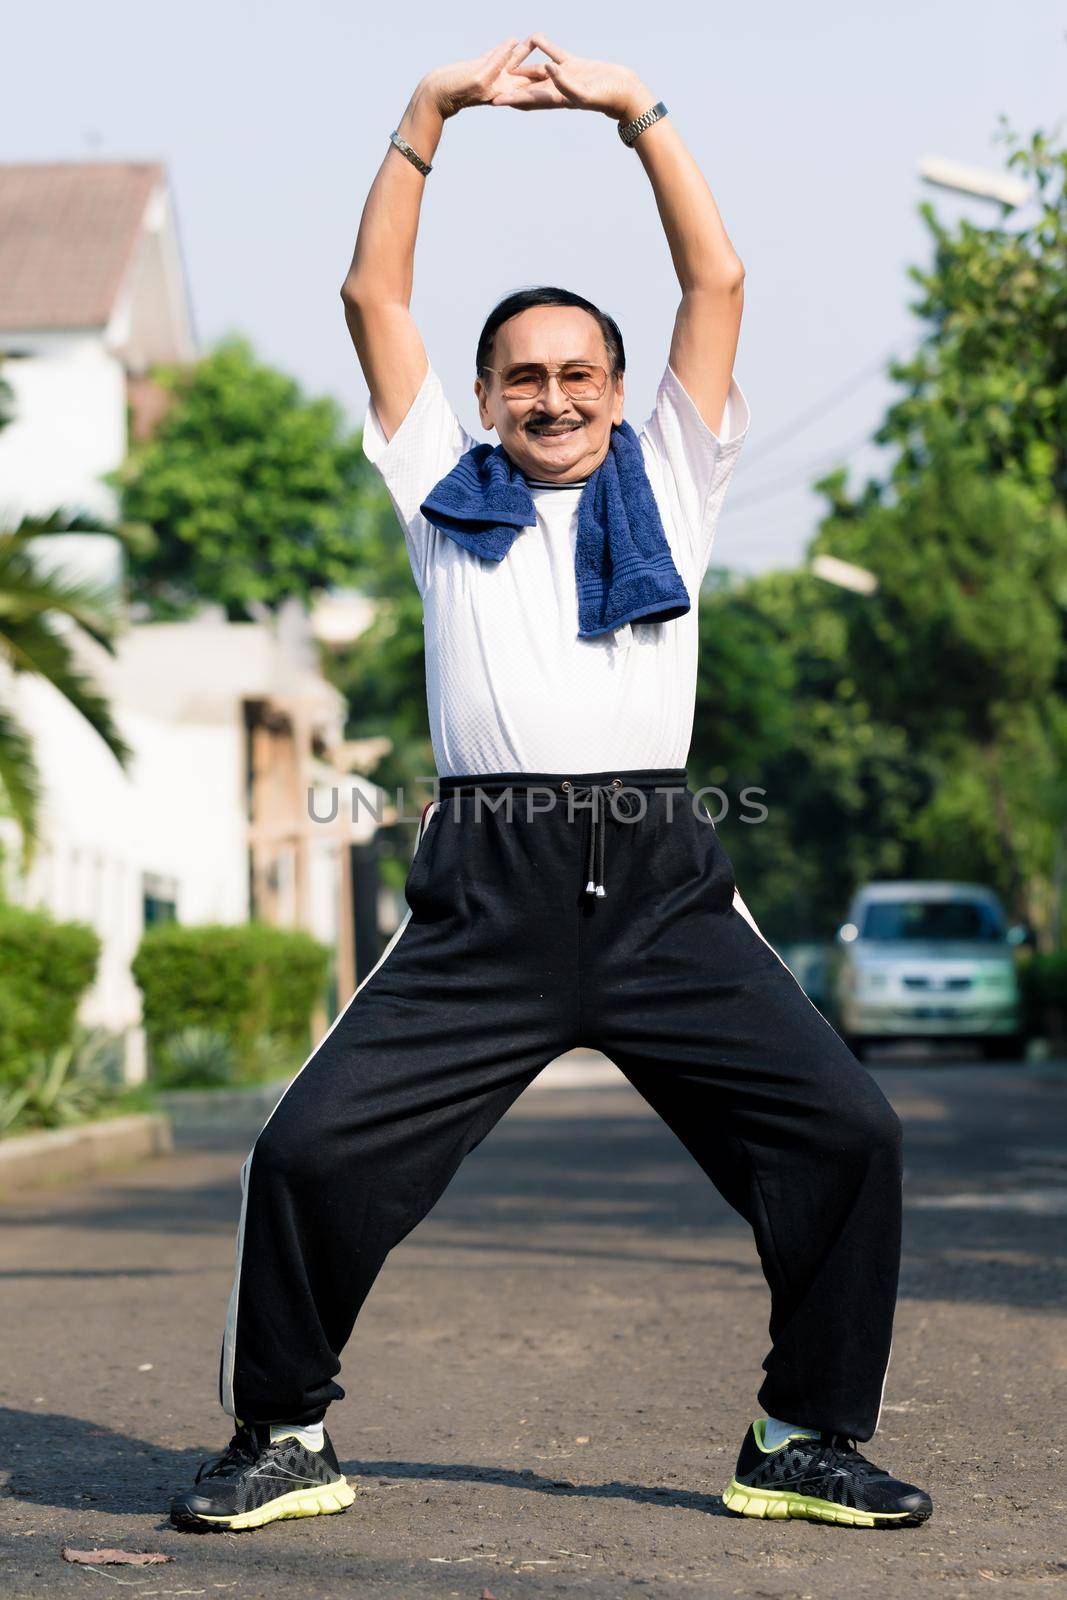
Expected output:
(871, 980)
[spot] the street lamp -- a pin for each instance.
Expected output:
(843, 574)
(1001, 187)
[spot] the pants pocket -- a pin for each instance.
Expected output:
(433, 887)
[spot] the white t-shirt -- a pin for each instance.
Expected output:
(510, 686)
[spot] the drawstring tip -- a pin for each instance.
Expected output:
(590, 887)
(600, 891)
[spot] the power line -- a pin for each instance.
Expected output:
(798, 477)
(811, 414)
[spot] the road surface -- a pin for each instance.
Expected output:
(547, 1387)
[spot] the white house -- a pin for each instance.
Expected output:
(231, 724)
(92, 293)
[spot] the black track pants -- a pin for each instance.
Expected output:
(504, 962)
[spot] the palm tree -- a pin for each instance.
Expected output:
(34, 639)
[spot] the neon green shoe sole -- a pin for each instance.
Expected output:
(321, 1501)
(750, 1502)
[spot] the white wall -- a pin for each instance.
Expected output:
(179, 809)
(177, 813)
(69, 424)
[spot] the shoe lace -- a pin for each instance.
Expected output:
(242, 1450)
(839, 1450)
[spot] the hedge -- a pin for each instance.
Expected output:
(248, 982)
(45, 968)
(1044, 985)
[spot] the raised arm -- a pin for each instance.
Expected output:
(709, 271)
(377, 290)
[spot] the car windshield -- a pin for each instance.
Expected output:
(932, 920)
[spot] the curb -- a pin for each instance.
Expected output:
(193, 1109)
(188, 1108)
(35, 1158)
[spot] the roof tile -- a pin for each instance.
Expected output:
(68, 231)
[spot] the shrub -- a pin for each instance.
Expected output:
(272, 1057)
(45, 967)
(194, 1058)
(1044, 984)
(247, 982)
(70, 1084)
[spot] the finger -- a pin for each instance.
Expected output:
(542, 97)
(537, 73)
(503, 51)
(489, 68)
(520, 52)
(558, 76)
(554, 50)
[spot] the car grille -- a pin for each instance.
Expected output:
(922, 981)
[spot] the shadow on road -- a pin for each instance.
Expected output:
(68, 1463)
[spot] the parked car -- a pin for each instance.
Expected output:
(920, 960)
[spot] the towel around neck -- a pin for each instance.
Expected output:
(624, 570)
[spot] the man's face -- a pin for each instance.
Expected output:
(552, 436)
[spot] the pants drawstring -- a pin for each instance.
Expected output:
(623, 794)
(595, 884)
(600, 795)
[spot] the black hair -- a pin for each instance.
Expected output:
(545, 295)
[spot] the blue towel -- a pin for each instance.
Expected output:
(623, 565)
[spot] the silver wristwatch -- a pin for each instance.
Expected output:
(406, 150)
(628, 131)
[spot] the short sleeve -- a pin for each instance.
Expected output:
(692, 466)
(427, 445)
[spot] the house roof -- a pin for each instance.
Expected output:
(68, 233)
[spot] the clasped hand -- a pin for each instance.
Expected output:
(563, 82)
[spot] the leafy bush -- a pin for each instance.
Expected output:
(271, 1057)
(70, 1084)
(1044, 986)
(249, 983)
(195, 1058)
(45, 967)
(1047, 977)
(204, 1058)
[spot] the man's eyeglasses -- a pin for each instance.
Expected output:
(578, 379)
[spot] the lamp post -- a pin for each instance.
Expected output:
(1001, 187)
(843, 574)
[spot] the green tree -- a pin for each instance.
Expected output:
(991, 373)
(382, 673)
(249, 490)
(962, 647)
(780, 711)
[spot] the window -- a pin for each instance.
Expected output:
(932, 920)
(159, 898)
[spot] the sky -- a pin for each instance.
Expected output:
(808, 123)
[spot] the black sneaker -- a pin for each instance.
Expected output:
(822, 1478)
(253, 1482)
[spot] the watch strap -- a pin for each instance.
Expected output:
(629, 131)
(406, 150)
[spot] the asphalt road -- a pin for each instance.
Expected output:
(549, 1382)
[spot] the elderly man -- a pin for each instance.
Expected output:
(567, 887)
